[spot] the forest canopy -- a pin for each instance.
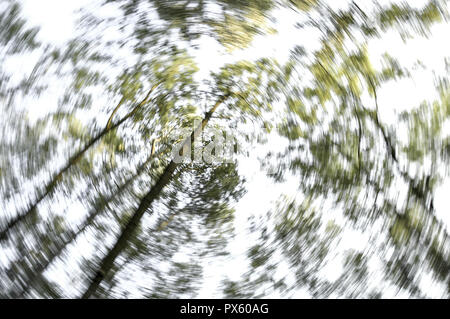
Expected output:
(224, 148)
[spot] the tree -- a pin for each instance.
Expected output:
(141, 209)
(345, 154)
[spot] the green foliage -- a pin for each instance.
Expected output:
(14, 35)
(136, 91)
(232, 23)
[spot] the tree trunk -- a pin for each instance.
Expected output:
(108, 261)
(72, 161)
(74, 234)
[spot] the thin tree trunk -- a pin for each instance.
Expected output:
(74, 234)
(108, 261)
(74, 159)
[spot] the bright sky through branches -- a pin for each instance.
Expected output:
(56, 18)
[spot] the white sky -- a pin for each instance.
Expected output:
(56, 19)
